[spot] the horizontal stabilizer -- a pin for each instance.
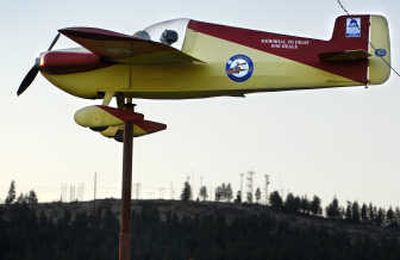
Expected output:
(121, 48)
(142, 128)
(110, 121)
(344, 56)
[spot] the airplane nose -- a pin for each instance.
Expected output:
(64, 62)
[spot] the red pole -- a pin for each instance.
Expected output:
(125, 224)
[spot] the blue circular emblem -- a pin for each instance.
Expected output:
(380, 52)
(239, 68)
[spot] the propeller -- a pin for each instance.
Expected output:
(31, 75)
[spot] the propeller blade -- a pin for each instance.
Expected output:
(34, 70)
(28, 79)
(54, 42)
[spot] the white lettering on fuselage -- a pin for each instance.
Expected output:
(284, 44)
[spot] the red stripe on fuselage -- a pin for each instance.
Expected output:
(300, 49)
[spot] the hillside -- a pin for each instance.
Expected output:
(186, 230)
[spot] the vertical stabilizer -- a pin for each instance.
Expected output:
(369, 34)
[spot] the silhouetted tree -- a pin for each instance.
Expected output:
(348, 214)
(390, 217)
(11, 195)
(228, 193)
(224, 192)
(258, 195)
(275, 200)
(397, 215)
(32, 198)
(333, 209)
(292, 203)
(238, 198)
(305, 205)
(380, 217)
(203, 193)
(364, 213)
(22, 199)
(372, 212)
(316, 206)
(218, 193)
(186, 192)
(355, 210)
(249, 197)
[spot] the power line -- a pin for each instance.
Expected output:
(342, 7)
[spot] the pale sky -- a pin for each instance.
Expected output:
(342, 142)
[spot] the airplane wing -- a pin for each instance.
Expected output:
(121, 48)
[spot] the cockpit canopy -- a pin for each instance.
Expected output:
(170, 32)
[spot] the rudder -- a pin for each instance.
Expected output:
(379, 48)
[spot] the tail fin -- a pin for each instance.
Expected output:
(369, 34)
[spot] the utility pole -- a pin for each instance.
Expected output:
(125, 226)
(267, 182)
(241, 186)
(94, 191)
(172, 191)
(161, 192)
(137, 190)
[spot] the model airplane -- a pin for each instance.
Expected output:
(184, 58)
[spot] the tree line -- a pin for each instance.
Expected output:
(161, 231)
(353, 212)
(188, 230)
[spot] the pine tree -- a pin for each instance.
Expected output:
(203, 193)
(380, 218)
(32, 198)
(186, 192)
(333, 209)
(372, 212)
(348, 215)
(11, 195)
(305, 205)
(316, 206)
(249, 197)
(218, 193)
(292, 203)
(228, 193)
(390, 216)
(355, 209)
(364, 213)
(22, 199)
(258, 195)
(223, 191)
(275, 200)
(238, 198)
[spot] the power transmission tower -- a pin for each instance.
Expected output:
(161, 192)
(64, 192)
(172, 191)
(80, 192)
(72, 193)
(250, 187)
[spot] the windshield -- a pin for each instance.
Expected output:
(169, 32)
